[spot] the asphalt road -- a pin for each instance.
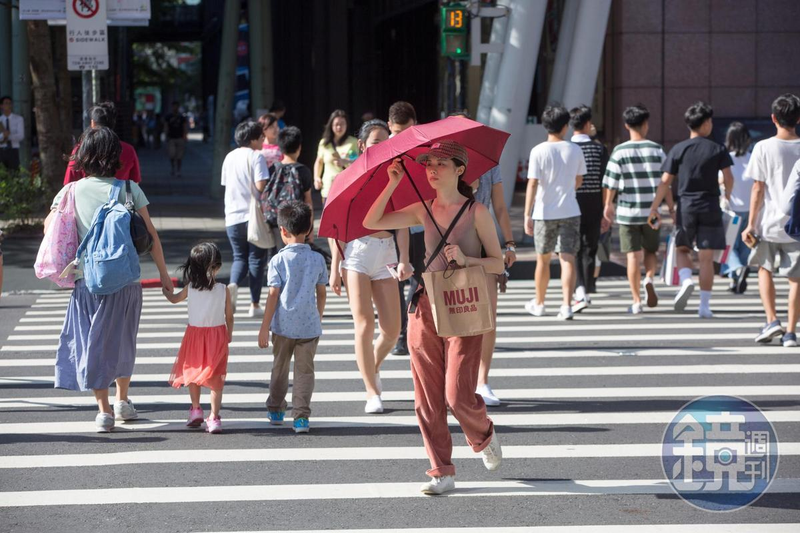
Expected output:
(586, 404)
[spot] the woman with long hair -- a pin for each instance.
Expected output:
(335, 152)
(368, 280)
(445, 369)
(738, 143)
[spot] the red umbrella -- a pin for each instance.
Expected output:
(356, 188)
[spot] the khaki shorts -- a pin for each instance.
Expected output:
(562, 236)
(176, 148)
(782, 258)
(634, 238)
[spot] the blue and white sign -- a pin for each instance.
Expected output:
(720, 453)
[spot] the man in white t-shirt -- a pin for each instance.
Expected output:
(555, 171)
(770, 167)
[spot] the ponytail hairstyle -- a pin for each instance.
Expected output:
(198, 270)
(463, 188)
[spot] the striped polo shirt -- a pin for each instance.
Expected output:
(634, 171)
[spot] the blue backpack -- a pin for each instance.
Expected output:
(111, 260)
(792, 227)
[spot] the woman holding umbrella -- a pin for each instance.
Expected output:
(368, 281)
(445, 369)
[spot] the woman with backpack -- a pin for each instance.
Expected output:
(98, 340)
(365, 268)
(445, 369)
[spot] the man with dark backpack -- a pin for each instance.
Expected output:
(288, 181)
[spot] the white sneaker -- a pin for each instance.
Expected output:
(125, 411)
(535, 309)
(705, 312)
(233, 290)
(635, 309)
(682, 298)
(579, 305)
(255, 312)
(378, 383)
(488, 395)
(374, 406)
(104, 422)
(492, 454)
(565, 313)
(439, 485)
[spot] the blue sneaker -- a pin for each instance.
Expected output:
(276, 418)
(769, 332)
(789, 340)
(301, 425)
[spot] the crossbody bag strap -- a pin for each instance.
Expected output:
(412, 306)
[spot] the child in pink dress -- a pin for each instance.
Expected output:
(203, 357)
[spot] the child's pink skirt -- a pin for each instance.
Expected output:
(202, 359)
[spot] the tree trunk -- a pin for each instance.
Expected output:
(64, 83)
(48, 123)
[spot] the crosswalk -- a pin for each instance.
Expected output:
(585, 407)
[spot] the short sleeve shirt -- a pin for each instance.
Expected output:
(634, 171)
(91, 193)
(297, 270)
(486, 184)
(697, 163)
(347, 150)
(241, 169)
(771, 163)
(128, 166)
(556, 165)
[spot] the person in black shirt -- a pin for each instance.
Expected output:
(177, 129)
(696, 162)
(590, 200)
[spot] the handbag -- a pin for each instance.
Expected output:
(142, 240)
(60, 243)
(459, 297)
(258, 232)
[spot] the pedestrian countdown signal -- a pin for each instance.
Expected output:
(454, 31)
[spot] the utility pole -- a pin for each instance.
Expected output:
(21, 88)
(225, 89)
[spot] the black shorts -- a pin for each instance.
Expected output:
(704, 229)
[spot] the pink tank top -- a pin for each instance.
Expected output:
(464, 235)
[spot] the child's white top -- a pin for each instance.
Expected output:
(207, 308)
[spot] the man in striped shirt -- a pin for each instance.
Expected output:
(632, 175)
(590, 200)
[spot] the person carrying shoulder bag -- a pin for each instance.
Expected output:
(444, 360)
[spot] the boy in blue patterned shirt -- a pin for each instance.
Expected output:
(296, 301)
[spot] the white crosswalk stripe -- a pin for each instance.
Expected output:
(589, 398)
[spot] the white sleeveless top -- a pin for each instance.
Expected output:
(207, 308)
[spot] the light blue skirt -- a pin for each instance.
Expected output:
(98, 340)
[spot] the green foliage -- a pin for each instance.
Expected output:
(22, 196)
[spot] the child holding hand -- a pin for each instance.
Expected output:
(295, 303)
(203, 357)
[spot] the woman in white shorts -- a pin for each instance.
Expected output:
(366, 273)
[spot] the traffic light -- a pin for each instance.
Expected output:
(454, 22)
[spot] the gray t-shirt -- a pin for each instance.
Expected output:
(487, 181)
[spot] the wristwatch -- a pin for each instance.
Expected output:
(511, 249)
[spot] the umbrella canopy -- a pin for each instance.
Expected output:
(356, 188)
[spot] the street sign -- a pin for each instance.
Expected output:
(119, 12)
(87, 35)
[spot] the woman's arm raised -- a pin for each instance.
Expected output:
(377, 219)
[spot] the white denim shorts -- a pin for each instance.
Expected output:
(369, 256)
